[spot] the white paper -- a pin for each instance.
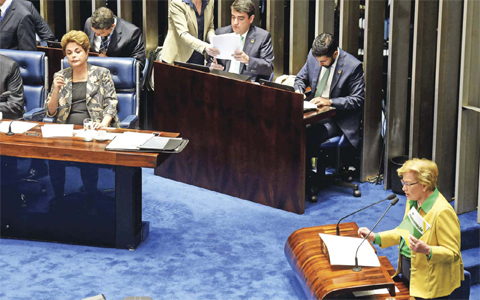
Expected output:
(417, 221)
(227, 44)
(57, 130)
(108, 135)
(309, 105)
(129, 141)
(373, 292)
(342, 249)
(17, 126)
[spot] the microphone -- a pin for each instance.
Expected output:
(10, 132)
(357, 268)
(391, 197)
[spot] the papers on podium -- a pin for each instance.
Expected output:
(134, 141)
(308, 106)
(342, 249)
(227, 44)
(57, 130)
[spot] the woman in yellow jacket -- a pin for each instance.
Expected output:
(431, 265)
(190, 27)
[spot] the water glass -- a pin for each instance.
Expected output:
(88, 128)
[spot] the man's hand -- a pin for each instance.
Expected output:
(216, 65)
(241, 56)
(320, 102)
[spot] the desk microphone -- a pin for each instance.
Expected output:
(357, 268)
(10, 132)
(391, 197)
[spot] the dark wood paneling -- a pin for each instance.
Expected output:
(246, 140)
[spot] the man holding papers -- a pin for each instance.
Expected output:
(429, 258)
(255, 56)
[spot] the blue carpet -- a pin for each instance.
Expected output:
(202, 245)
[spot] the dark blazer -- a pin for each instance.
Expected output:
(258, 46)
(41, 27)
(17, 31)
(11, 106)
(347, 91)
(126, 41)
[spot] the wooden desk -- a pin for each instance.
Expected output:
(246, 140)
(321, 280)
(112, 217)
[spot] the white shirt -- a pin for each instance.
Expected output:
(4, 7)
(326, 89)
(97, 40)
(234, 64)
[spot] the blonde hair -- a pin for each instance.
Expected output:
(426, 171)
(78, 37)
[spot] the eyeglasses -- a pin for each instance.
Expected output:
(408, 185)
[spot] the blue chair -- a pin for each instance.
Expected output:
(34, 72)
(126, 77)
(337, 142)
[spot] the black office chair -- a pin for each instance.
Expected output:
(341, 173)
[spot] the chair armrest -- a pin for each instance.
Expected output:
(49, 120)
(36, 114)
(129, 122)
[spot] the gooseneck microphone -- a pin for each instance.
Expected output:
(391, 197)
(357, 268)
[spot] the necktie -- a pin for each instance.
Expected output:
(104, 45)
(321, 84)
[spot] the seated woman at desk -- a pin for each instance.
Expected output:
(190, 26)
(79, 92)
(431, 264)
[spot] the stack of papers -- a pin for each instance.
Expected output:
(134, 141)
(342, 249)
(17, 126)
(307, 106)
(227, 44)
(57, 130)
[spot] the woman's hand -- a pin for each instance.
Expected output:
(418, 246)
(58, 82)
(363, 231)
(216, 65)
(212, 51)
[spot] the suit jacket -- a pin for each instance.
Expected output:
(258, 46)
(443, 273)
(11, 106)
(41, 27)
(101, 97)
(17, 30)
(347, 91)
(182, 33)
(126, 41)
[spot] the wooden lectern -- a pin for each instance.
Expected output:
(321, 280)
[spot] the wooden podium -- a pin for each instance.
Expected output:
(246, 140)
(320, 280)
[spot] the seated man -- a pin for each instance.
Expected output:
(17, 30)
(112, 36)
(11, 87)
(336, 79)
(256, 59)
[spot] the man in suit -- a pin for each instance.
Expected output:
(17, 30)
(112, 36)
(336, 79)
(41, 27)
(11, 82)
(256, 57)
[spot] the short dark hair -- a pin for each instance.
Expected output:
(244, 6)
(324, 45)
(102, 18)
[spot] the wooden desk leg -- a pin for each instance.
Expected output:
(130, 230)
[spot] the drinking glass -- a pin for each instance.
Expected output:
(88, 128)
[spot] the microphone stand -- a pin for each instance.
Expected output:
(391, 197)
(10, 132)
(357, 268)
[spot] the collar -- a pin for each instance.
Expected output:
(5, 6)
(427, 205)
(245, 34)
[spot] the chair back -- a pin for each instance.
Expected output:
(126, 78)
(34, 71)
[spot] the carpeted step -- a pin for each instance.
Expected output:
(470, 230)
(471, 263)
(475, 292)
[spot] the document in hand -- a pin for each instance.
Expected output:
(342, 249)
(413, 224)
(227, 44)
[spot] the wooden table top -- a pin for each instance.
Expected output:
(321, 113)
(75, 149)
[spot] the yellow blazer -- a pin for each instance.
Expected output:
(443, 273)
(182, 34)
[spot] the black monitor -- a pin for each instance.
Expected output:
(236, 76)
(277, 85)
(54, 44)
(192, 66)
